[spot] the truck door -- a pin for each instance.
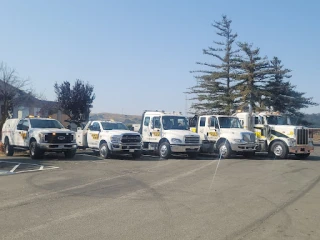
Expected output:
(21, 137)
(155, 129)
(202, 128)
(93, 135)
(145, 129)
(213, 131)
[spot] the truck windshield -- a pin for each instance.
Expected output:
(113, 126)
(229, 122)
(175, 122)
(278, 120)
(45, 123)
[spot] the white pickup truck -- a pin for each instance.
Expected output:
(38, 135)
(109, 137)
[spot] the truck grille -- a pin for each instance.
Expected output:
(58, 138)
(192, 139)
(130, 138)
(302, 136)
(249, 137)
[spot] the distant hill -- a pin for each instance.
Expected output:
(126, 119)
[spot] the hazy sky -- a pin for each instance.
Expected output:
(139, 54)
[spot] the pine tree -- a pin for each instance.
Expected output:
(281, 95)
(214, 92)
(277, 89)
(253, 76)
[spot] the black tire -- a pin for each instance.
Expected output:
(70, 153)
(8, 149)
(224, 150)
(136, 155)
(164, 150)
(104, 151)
(302, 156)
(34, 151)
(279, 150)
(193, 155)
(248, 154)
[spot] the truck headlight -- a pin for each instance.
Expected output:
(115, 138)
(239, 141)
(291, 142)
(73, 137)
(42, 137)
(176, 140)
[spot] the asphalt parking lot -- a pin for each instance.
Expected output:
(92, 198)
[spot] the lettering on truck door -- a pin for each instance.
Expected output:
(213, 126)
(155, 129)
(21, 136)
(93, 135)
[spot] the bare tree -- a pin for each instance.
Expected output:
(12, 91)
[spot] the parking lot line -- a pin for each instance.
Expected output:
(15, 167)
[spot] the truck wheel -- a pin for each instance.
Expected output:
(70, 153)
(193, 155)
(279, 149)
(136, 155)
(8, 149)
(35, 151)
(224, 150)
(165, 150)
(302, 156)
(104, 151)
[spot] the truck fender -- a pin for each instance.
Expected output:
(221, 140)
(277, 140)
(104, 141)
(30, 140)
(163, 140)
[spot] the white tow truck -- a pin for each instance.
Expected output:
(276, 135)
(168, 132)
(38, 135)
(223, 134)
(109, 137)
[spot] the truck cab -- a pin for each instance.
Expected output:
(277, 135)
(223, 134)
(168, 132)
(109, 137)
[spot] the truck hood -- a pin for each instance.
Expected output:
(283, 130)
(234, 132)
(120, 132)
(178, 133)
(51, 130)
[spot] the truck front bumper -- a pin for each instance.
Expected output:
(184, 148)
(51, 147)
(301, 149)
(125, 148)
(247, 147)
